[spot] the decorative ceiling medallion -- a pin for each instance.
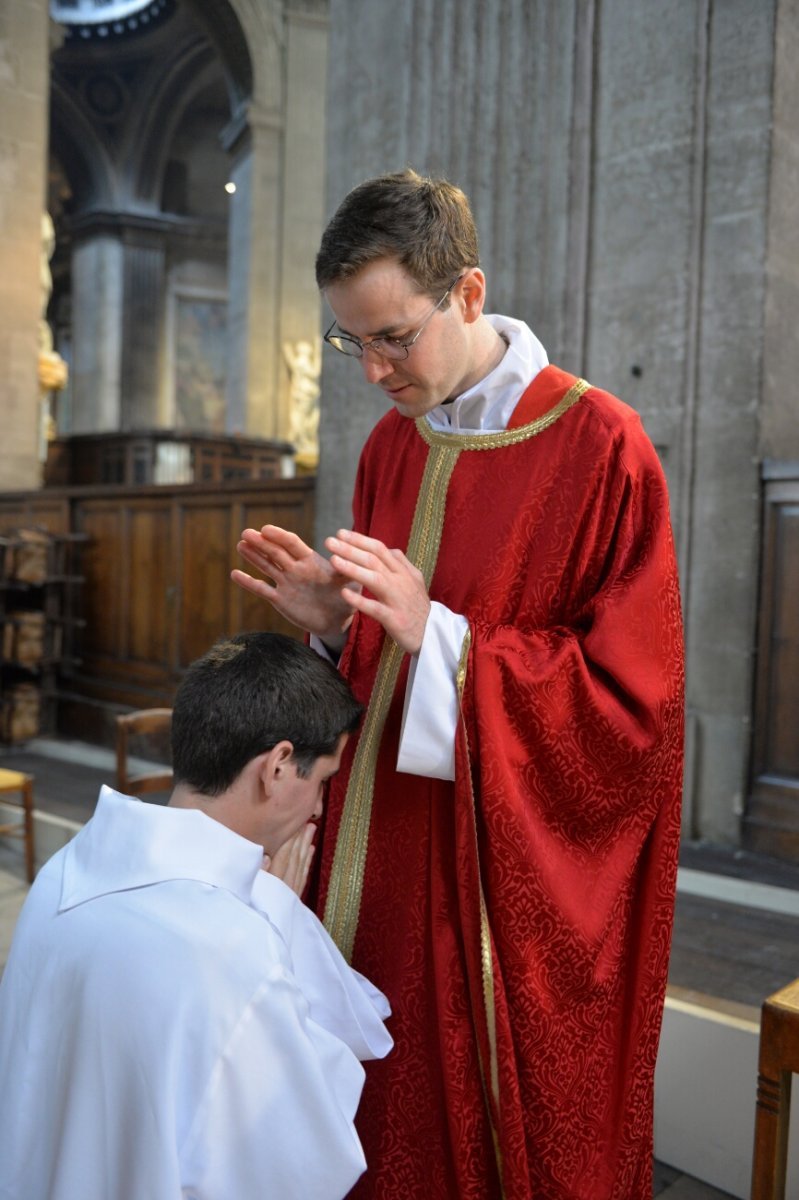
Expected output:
(99, 20)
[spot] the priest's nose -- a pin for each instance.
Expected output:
(376, 368)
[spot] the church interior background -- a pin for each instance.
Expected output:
(181, 291)
(166, 169)
(177, 325)
(146, 198)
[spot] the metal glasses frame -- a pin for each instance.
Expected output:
(379, 345)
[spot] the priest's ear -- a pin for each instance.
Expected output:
(470, 294)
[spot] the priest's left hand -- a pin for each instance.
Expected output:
(398, 597)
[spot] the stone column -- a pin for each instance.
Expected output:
(780, 413)
(142, 350)
(24, 87)
(254, 260)
(97, 283)
(304, 196)
(118, 285)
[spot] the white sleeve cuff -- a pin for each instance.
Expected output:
(321, 649)
(430, 715)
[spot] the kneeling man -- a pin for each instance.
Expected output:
(174, 1022)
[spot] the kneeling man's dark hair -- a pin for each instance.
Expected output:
(246, 695)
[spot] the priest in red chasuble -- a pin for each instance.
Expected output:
(499, 851)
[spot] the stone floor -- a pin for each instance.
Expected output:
(671, 1185)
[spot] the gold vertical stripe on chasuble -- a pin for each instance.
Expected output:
(486, 959)
(491, 1076)
(343, 904)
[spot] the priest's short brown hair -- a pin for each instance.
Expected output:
(425, 224)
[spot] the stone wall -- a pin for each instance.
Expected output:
(618, 157)
(23, 148)
(780, 412)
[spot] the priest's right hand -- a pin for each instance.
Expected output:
(300, 584)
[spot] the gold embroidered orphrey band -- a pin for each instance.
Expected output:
(343, 904)
(489, 1072)
(349, 861)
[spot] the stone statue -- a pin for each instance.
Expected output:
(46, 281)
(304, 360)
(53, 370)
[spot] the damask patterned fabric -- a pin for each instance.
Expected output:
(519, 920)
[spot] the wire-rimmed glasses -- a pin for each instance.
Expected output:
(385, 346)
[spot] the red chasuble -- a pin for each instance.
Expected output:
(518, 919)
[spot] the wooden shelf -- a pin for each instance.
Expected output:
(40, 592)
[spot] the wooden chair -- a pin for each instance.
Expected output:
(143, 722)
(18, 781)
(779, 1058)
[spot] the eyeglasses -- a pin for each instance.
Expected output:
(386, 347)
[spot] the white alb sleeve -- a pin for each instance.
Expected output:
(340, 999)
(276, 1118)
(430, 714)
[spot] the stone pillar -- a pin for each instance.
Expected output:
(97, 289)
(118, 286)
(780, 415)
(720, 535)
(303, 193)
(238, 275)
(674, 307)
(142, 349)
(254, 262)
(24, 86)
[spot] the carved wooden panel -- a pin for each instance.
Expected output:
(157, 581)
(205, 537)
(18, 509)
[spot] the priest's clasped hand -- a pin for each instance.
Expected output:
(398, 600)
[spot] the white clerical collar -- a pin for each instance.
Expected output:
(129, 844)
(487, 407)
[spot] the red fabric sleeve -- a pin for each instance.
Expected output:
(569, 762)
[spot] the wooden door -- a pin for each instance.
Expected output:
(771, 824)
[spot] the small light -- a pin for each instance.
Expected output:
(230, 187)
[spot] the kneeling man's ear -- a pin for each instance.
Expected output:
(275, 764)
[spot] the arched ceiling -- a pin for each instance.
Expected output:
(117, 103)
(107, 20)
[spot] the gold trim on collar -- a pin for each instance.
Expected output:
(343, 904)
(504, 437)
